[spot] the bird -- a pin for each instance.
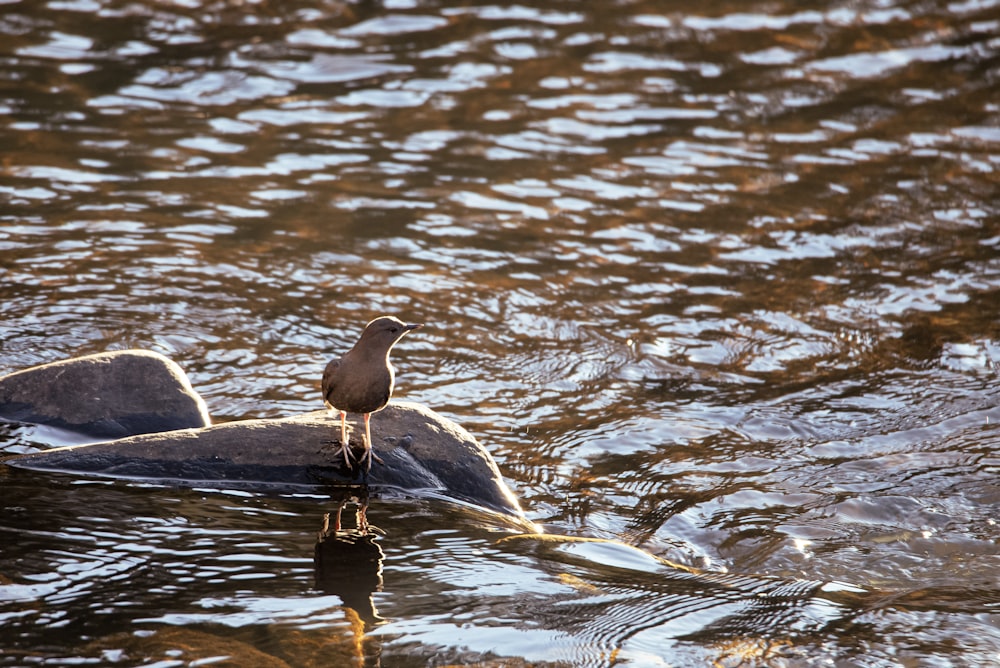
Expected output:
(362, 380)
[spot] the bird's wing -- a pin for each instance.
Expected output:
(328, 374)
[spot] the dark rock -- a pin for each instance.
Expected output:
(107, 395)
(422, 452)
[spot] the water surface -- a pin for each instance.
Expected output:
(721, 283)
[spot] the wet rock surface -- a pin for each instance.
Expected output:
(107, 395)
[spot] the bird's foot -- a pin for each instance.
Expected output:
(372, 529)
(367, 457)
(340, 449)
(369, 454)
(364, 528)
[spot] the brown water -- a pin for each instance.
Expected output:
(719, 281)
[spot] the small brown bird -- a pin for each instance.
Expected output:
(361, 381)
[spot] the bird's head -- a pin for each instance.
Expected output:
(383, 332)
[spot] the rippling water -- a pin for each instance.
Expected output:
(720, 282)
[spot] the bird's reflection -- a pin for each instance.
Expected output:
(348, 562)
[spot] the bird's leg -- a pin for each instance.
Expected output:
(345, 445)
(336, 519)
(344, 448)
(362, 519)
(369, 453)
(362, 516)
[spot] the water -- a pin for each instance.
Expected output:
(717, 282)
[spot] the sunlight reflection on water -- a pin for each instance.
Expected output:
(720, 285)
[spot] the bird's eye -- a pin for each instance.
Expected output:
(393, 329)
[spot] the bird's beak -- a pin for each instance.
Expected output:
(411, 327)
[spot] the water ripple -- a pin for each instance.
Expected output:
(722, 284)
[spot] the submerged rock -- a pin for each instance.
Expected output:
(421, 452)
(107, 395)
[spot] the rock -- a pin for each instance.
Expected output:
(162, 426)
(107, 395)
(422, 452)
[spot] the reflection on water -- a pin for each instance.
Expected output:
(719, 282)
(349, 565)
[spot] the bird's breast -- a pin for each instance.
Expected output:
(358, 387)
